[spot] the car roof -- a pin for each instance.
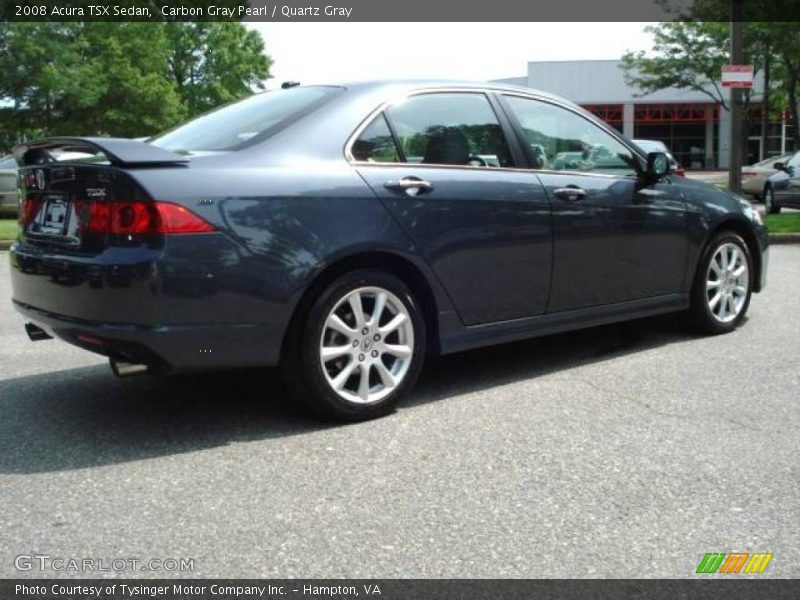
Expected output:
(395, 85)
(323, 133)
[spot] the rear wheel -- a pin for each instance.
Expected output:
(360, 348)
(723, 284)
(770, 206)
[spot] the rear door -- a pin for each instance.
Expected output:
(442, 165)
(616, 237)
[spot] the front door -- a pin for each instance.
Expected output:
(615, 238)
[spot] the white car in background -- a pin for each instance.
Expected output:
(656, 146)
(754, 177)
(9, 195)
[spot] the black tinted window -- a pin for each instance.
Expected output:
(376, 144)
(249, 120)
(450, 129)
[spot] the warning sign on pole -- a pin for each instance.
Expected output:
(738, 76)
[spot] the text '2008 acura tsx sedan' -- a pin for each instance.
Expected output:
(346, 232)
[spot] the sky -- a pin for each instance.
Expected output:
(340, 52)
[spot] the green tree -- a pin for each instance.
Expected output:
(215, 63)
(689, 54)
(120, 78)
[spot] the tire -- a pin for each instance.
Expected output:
(771, 207)
(710, 313)
(392, 358)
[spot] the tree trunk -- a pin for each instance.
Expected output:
(765, 106)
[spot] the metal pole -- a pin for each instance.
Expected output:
(737, 58)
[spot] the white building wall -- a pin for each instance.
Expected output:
(598, 82)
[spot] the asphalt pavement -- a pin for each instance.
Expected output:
(621, 451)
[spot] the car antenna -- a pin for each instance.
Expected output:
(289, 84)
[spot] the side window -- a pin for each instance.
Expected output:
(563, 140)
(376, 144)
(450, 129)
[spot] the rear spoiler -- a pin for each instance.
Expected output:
(119, 151)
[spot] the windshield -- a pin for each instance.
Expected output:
(246, 122)
(8, 162)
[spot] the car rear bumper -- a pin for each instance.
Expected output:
(164, 348)
(177, 310)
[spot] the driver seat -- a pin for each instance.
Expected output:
(448, 146)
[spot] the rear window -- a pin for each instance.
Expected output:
(246, 122)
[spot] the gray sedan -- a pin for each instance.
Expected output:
(783, 187)
(9, 196)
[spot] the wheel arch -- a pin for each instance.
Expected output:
(746, 233)
(391, 262)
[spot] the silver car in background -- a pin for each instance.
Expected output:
(755, 177)
(9, 195)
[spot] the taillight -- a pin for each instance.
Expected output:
(175, 218)
(747, 174)
(138, 218)
(28, 209)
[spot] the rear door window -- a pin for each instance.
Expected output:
(376, 143)
(450, 129)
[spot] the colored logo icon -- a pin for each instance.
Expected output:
(733, 563)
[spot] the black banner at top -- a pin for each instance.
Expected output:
(393, 10)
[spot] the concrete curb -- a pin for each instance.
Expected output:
(784, 238)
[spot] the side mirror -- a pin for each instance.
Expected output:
(779, 166)
(657, 165)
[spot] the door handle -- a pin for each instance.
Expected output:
(410, 185)
(570, 193)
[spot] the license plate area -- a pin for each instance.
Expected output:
(56, 220)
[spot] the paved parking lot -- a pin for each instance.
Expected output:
(623, 451)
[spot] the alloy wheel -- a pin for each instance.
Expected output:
(367, 345)
(727, 282)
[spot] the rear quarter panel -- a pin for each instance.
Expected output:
(281, 228)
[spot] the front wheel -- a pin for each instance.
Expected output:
(723, 284)
(360, 348)
(770, 206)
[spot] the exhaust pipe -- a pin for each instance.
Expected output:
(36, 334)
(121, 368)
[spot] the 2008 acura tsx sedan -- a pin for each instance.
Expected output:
(346, 232)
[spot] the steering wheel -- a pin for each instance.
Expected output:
(477, 161)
